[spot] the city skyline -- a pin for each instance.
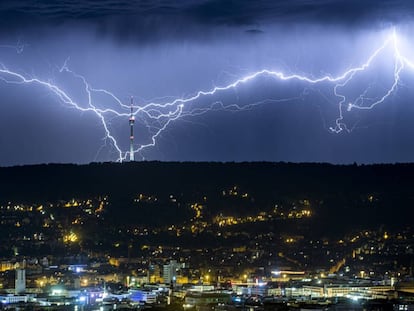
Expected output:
(211, 81)
(273, 236)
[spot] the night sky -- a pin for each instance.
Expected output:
(158, 51)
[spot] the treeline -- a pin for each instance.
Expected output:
(367, 194)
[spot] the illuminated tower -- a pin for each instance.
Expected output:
(131, 137)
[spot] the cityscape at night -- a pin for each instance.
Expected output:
(277, 236)
(198, 155)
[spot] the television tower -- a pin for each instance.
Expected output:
(131, 137)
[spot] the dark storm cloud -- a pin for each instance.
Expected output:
(140, 18)
(321, 11)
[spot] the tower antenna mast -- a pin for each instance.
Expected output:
(131, 137)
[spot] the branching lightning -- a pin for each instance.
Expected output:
(158, 116)
(18, 47)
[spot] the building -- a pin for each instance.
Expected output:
(20, 282)
(154, 273)
(200, 299)
(170, 272)
(8, 299)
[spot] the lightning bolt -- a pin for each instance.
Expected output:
(18, 47)
(158, 116)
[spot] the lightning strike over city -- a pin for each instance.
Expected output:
(334, 86)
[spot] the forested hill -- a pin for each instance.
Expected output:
(387, 191)
(61, 181)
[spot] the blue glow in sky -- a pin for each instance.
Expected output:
(90, 57)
